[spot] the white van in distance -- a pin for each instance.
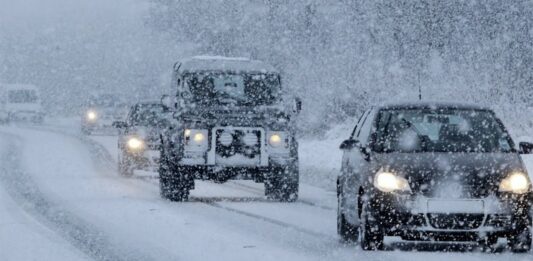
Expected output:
(21, 102)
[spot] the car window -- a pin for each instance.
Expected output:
(443, 130)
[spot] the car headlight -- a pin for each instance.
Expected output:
(195, 139)
(91, 115)
(135, 143)
(278, 139)
(389, 182)
(517, 182)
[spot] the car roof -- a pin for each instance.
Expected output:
(222, 63)
(432, 105)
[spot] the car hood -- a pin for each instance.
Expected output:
(471, 175)
(240, 116)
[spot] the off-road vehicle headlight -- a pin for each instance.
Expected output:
(195, 139)
(389, 182)
(278, 139)
(517, 182)
(135, 143)
(91, 115)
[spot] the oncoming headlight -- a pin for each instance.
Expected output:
(517, 182)
(389, 182)
(135, 143)
(91, 115)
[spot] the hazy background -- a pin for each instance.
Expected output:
(339, 56)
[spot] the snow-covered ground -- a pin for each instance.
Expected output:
(61, 198)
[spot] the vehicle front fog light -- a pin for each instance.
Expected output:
(517, 182)
(225, 138)
(388, 182)
(91, 115)
(135, 144)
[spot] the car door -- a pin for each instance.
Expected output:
(354, 165)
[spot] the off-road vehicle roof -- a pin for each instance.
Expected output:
(221, 63)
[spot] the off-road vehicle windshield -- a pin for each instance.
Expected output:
(220, 88)
(443, 130)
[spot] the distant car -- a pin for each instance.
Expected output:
(100, 111)
(20, 102)
(434, 172)
(230, 121)
(139, 141)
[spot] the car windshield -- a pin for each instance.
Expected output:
(23, 96)
(233, 88)
(105, 101)
(442, 130)
(146, 114)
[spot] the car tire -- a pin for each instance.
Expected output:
(172, 184)
(124, 166)
(347, 232)
(371, 235)
(282, 187)
(171, 189)
(520, 242)
(85, 131)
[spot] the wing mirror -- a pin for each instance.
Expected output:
(348, 144)
(297, 105)
(119, 124)
(351, 144)
(525, 147)
(167, 102)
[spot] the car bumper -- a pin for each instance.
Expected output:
(253, 172)
(419, 218)
(146, 160)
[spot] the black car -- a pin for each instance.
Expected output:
(139, 141)
(434, 172)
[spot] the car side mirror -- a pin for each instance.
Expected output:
(166, 102)
(119, 124)
(348, 144)
(525, 147)
(297, 105)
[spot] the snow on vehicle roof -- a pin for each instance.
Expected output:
(221, 63)
(432, 105)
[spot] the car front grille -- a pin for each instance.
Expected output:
(241, 143)
(455, 221)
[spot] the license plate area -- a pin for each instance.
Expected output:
(446, 206)
(238, 146)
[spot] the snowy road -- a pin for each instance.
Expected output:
(61, 193)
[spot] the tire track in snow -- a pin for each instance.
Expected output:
(103, 156)
(21, 187)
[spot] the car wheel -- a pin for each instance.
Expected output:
(172, 184)
(347, 232)
(371, 235)
(282, 188)
(171, 189)
(520, 242)
(124, 166)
